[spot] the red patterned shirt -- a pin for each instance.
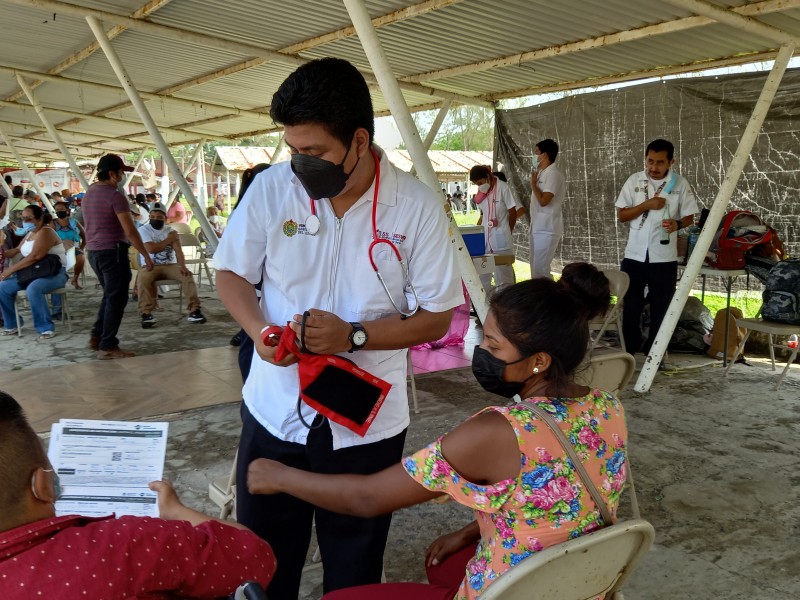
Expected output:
(131, 557)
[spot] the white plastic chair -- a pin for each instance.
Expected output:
(618, 283)
(609, 371)
(581, 569)
(190, 241)
(771, 329)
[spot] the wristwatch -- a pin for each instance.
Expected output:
(358, 337)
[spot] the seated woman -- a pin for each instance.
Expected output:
(504, 462)
(39, 240)
(72, 235)
(217, 222)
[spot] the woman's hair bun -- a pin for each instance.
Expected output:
(589, 286)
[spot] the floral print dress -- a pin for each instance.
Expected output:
(546, 503)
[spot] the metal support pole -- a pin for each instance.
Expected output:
(714, 217)
(150, 125)
(186, 170)
(52, 131)
(7, 189)
(419, 155)
(435, 126)
(277, 152)
(129, 176)
(228, 194)
(28, 173)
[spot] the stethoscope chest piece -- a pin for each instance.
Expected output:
(312, 224)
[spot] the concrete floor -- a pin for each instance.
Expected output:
(715, 459)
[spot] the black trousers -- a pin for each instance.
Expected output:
(113, 269)
(659, 278)
(352, 547)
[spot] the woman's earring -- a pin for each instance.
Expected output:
(535, 370)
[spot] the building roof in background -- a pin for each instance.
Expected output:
(208, 69)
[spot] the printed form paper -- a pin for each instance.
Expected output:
(105, 466)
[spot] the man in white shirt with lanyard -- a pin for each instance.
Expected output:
(548, 190)
(499, 213)
(307, 229)
(656, 203)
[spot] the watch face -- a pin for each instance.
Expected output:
(359, 337)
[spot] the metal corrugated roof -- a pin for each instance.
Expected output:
(211, 67)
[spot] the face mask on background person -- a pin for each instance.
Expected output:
(27, 226)
(488, 370)
(321, 178)
(535, 162)
(61, 214)
(157, 224)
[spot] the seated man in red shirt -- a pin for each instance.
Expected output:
(184, 553)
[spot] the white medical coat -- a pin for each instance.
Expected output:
(266, 238)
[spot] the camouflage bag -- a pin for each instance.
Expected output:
(782, 293)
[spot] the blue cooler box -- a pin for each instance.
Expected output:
(474, 239)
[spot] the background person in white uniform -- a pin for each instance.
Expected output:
(548, 190)
(499, 213)
(652, 200)
(322, 265)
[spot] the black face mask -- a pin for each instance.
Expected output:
(157, 224)
(61, 214)
(321, 178)
(488, 370)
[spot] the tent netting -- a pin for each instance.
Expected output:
(602, 137)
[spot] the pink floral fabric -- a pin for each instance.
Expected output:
(546, 503)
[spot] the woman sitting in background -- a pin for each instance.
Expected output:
(72, 235)
(504, 462)
(39, 240)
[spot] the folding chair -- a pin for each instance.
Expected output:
(22, 299)
(596, 564)
(771, 329)
(189, 240)
(618, 283)
(609, 371)
(181, 227)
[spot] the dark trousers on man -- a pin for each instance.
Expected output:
(351, 547)
(113, 270)
(659, 278)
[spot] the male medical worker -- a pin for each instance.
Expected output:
(656, 203)
(306, 229)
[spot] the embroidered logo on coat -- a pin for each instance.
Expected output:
(289, 228)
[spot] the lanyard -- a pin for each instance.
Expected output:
(647, 197)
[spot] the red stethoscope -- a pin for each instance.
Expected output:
(313, 227)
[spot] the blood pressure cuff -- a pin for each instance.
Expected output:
(335, 386)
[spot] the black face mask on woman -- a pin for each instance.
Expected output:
(488, 370)
(321, 178)
(61, 214)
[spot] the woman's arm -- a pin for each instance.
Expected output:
(356, 495)
(45, 239)
(483, 450)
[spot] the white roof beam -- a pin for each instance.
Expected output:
(210, 41)
(152, 127)
(115, 88)
(694, 67)
(742, 22)
(86, 52)
(339, 34)
(678, 25)
(52, 131)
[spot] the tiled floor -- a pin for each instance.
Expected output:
(129, 388)
(145, 386)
